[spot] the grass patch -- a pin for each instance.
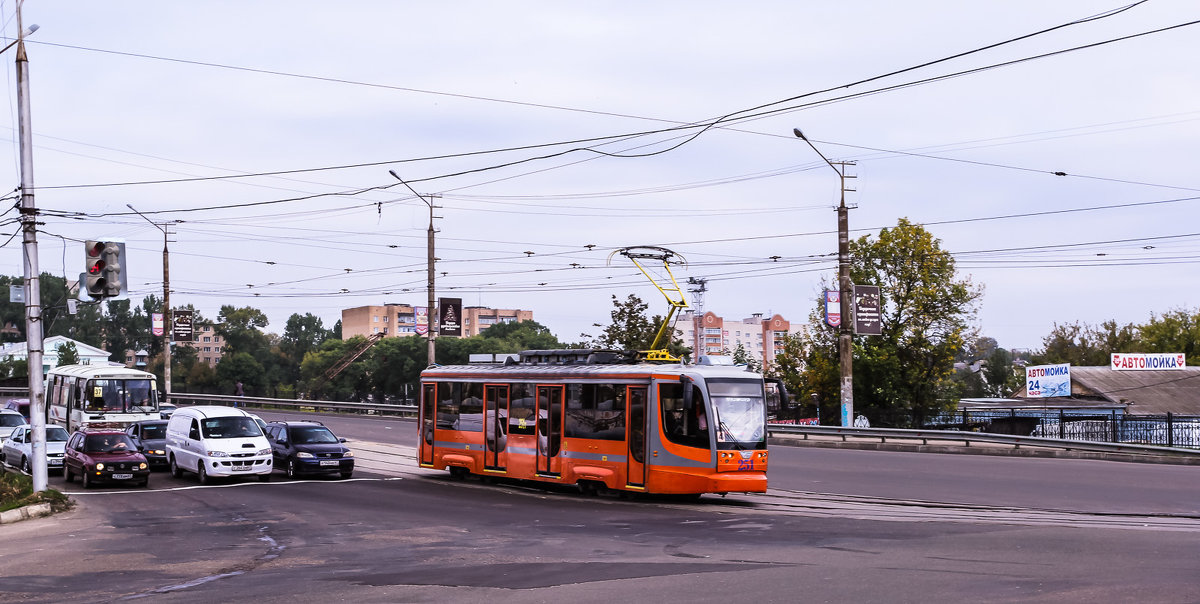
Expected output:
(16, 490)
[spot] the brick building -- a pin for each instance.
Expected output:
(710, 333)
(403, 319)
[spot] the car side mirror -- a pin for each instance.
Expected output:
(341, 440)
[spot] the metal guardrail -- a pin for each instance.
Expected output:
(288, 403)
(900, 434)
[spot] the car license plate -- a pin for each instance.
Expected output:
(241, 468)
(54, 462)
(122, 476)
(329, 462)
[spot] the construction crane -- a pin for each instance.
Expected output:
(667, 286)
(348, 358)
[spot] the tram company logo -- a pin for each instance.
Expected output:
(1153, 361)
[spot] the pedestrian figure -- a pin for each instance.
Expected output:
(238, 391)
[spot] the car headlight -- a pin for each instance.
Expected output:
(348, 453)
(99, 466)
(142, 466)
(264, 452)
(218, 454)
(158, 452)
(304, 455)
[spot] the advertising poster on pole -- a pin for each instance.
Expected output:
(181, 325)
(833, 308)
(1043, 381)
(450, 317)
(867, 312)
(422, 320)
(156, 324)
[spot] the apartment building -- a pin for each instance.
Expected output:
(710, 333)
(406, 320)
(205, 340)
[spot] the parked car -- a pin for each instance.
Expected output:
(150, 436)
(9, 421)
(17, 449)
(166, 409)
(109, 455)
(309, 448)
(20, 405)
(217, 441)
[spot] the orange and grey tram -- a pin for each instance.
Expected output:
(586, 418)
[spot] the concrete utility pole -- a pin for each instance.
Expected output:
(430, 263)
(167, 322)
(845, 291)
(32, 274)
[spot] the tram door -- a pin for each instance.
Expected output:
(495, 426)
(636, 465)
(549, 429)
(428, 421)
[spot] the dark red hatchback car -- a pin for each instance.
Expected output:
(99, 456)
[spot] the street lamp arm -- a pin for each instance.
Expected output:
(801, 136)
(414, 191)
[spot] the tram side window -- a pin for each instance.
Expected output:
(596, 411)
(449, 397)
(521, 409)
(690, 429)
(470, 411)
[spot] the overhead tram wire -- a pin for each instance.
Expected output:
(705, 124)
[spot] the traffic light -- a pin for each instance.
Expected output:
(105, 275)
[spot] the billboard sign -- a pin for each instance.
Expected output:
(422, 320)
(1042, 381)
(181, 325)
(450, 316)
(867, 312)
(833, 308)
(1147, 361)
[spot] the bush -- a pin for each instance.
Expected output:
(16, 490)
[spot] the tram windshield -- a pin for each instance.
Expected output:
(740, 419)
(122, 396)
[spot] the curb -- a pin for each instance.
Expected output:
(28, 512)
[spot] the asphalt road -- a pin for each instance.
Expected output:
(837, 526)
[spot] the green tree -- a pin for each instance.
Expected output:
(632, 329)
(902, 376)
(1083, 345)
(68, 354)
(240, 329)
(241, 367)
(741, 356)
(1174, 331)
(522, 335)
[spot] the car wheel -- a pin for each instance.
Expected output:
(292, 471)
(201, 475)
(26, 466)
(67, 475)
(85, 478)
(175, 471)
(346, 475)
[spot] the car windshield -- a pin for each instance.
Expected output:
(739, 410)
(230, 427)
(108, 443)
(56, 434)
(311, 435)
(134, 396)
(154, 431)
(11, 420)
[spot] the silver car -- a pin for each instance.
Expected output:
(9, 420)
(17, 450)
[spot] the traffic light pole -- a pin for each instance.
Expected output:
(32, 274)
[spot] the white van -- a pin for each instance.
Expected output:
(217, 441)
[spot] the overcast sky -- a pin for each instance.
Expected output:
(549, 127)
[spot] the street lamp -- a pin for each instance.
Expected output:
(429, 309)
(168, 323)
(845, 291)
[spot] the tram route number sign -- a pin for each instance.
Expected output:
(181, 325)
(867, 312)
